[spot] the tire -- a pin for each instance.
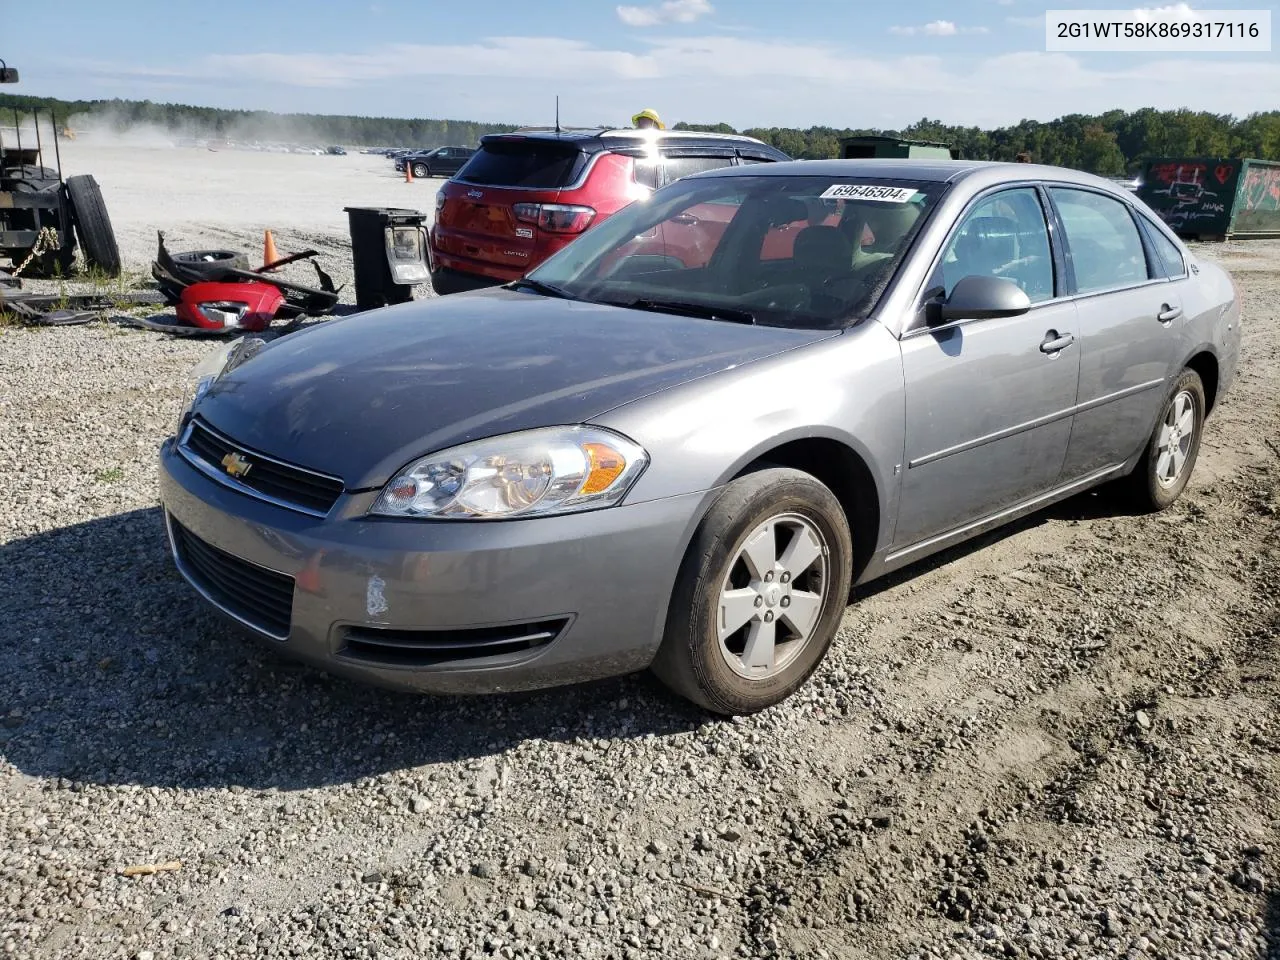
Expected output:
(93, 225)
(210, 264)
(421, 171)
(692, 660)
(1149, 487)
(28, 178)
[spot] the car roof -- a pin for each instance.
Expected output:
(596, 139)
(939, 171)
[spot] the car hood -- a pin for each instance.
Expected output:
(360, 397)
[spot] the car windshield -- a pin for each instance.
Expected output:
(812, 251)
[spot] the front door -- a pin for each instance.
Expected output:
(988, 402)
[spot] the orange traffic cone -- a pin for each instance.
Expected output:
(269, 254)
(408, 173)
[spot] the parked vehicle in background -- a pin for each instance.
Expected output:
(336, 151)
(440, 162)
(525, 195)
(641, 457)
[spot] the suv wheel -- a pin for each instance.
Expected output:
(421, 170)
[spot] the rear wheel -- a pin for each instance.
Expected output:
(759, 595)
(1166, 465)
(93, 225)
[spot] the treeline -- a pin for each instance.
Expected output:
(1111, 144)
(180, 120)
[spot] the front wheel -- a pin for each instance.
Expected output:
(421, 171)
(759, 595)
(1162, 473)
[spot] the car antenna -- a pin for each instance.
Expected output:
(557, 114)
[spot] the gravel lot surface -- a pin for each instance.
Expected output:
(1060, 741)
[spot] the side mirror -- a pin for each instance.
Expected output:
(8, 74)
(983, 298)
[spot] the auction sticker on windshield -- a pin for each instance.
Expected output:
(867, 191)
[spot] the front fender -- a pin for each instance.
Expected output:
(702, 434)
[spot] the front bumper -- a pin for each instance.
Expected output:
(606, 576)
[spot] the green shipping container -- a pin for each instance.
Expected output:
(1214, 197)
(867, 147)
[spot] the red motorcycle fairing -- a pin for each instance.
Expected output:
(229, 306)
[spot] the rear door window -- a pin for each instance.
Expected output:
(529, 163)
(677, 167)
(1104, 243)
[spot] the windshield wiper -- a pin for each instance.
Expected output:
(537, 286)
(692, 310)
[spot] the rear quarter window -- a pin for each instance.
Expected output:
(524, 163)
(1168, 256)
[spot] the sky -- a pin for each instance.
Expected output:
(840, 63)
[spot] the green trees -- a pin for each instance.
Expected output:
(181, 121)
(1111, 143)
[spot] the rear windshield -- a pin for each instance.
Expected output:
(524, 163)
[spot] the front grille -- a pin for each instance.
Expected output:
(424, 648)
(261, 598)
(280, 482)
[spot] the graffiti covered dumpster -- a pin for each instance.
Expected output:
(1212, 198)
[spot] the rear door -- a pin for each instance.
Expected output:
(1131, 323)
(694, 235)
(454, 158)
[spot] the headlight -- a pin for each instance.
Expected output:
(205, 373)
(532, 473)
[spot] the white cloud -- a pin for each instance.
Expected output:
(1178, 11)
(937, 28)
(1036, 21)
(671, 11)
(698, 79)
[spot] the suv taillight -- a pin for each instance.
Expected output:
(439, 202)
(555, 217)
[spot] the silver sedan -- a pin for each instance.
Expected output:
(680, 441)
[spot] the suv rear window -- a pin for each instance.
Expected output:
(524, 163)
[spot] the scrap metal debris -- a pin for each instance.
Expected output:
(60, 309)
(174, 276)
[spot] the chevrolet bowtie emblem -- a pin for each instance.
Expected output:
(236, 465)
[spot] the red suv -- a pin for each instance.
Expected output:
(523, 196)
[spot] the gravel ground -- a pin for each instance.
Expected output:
(1060, 741)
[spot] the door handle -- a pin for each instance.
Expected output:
(685, 219)
(1053, 343)
(1168, 314)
